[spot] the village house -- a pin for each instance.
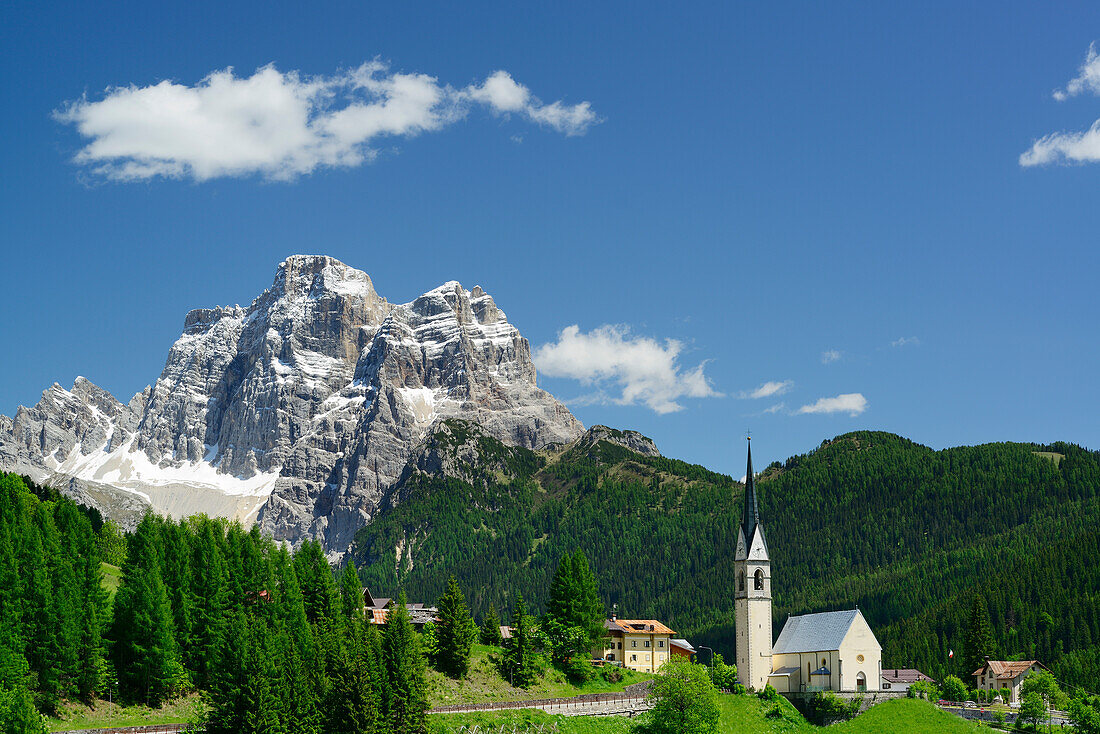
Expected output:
(1010, 674)
(899, 679)
(639, 644)
(681, 648)
(377, 608)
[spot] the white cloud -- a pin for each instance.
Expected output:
(775, 408)
(1071, 147)
(283, 125)
(906, 341)
(643, 369)
(1087, 79)
(1080, 147)
(768, 389)
(851, 403)
(829, 356)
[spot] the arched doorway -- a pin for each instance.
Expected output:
(861, 681)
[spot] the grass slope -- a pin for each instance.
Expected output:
(483, 684)
(739, 715)
(112, 576)
(105, 715)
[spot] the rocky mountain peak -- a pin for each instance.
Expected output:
(301, 410)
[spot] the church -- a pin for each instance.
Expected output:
(830, 651)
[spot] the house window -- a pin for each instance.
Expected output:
(633, 658)
(633, 643)
(660, 643)
(759, 580)
(647, 643)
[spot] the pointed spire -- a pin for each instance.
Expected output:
(751, 517)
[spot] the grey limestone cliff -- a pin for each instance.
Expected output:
(300, 411)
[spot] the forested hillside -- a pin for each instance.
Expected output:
(908, 534)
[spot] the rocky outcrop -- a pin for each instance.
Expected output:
(299, 411)
(632, 440)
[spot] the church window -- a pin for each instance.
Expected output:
(823, 663)
(741, 582)
(859, 658)
(759, 579)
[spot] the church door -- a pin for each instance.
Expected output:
(861, 682)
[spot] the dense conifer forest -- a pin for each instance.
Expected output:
(908, 534)
(274, 640)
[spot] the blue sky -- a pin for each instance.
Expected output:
(764, 185)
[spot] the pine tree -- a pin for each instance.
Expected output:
(978, 643)
(406, 701)
(351, 593)
(315, 578)
(490, 627)
(210, 600)
(145, 653)
(246, 685)
(352, 705)
(455, 632)
(519, 663)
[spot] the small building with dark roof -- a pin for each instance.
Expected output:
(899, 679)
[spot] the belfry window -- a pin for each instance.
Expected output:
(759, 580)
(741, 581)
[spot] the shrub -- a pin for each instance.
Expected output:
(768, 694)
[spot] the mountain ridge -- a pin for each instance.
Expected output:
(298, 411)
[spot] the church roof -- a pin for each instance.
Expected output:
(815, 632)
(751, 517)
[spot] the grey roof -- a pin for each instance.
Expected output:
(821, 671)
(788, 671)
(815, 632)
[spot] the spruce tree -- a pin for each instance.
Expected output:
(352, 705)
(978, 643)
(145, 653)
(210, 599)
(351, 593)
(490, 627)
(455, 632)
(519, 663)
(246, 684)
(315, 578)
(406, 701)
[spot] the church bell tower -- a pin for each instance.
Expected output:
(752, 593)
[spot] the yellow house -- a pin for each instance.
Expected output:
(639, 644)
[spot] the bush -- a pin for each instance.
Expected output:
(724, 677)
(954, 689)
(611, 673)
(738, 689)
(768, 694)
(826, 708)
(924, 689)
(685, 701)
(775, 712)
